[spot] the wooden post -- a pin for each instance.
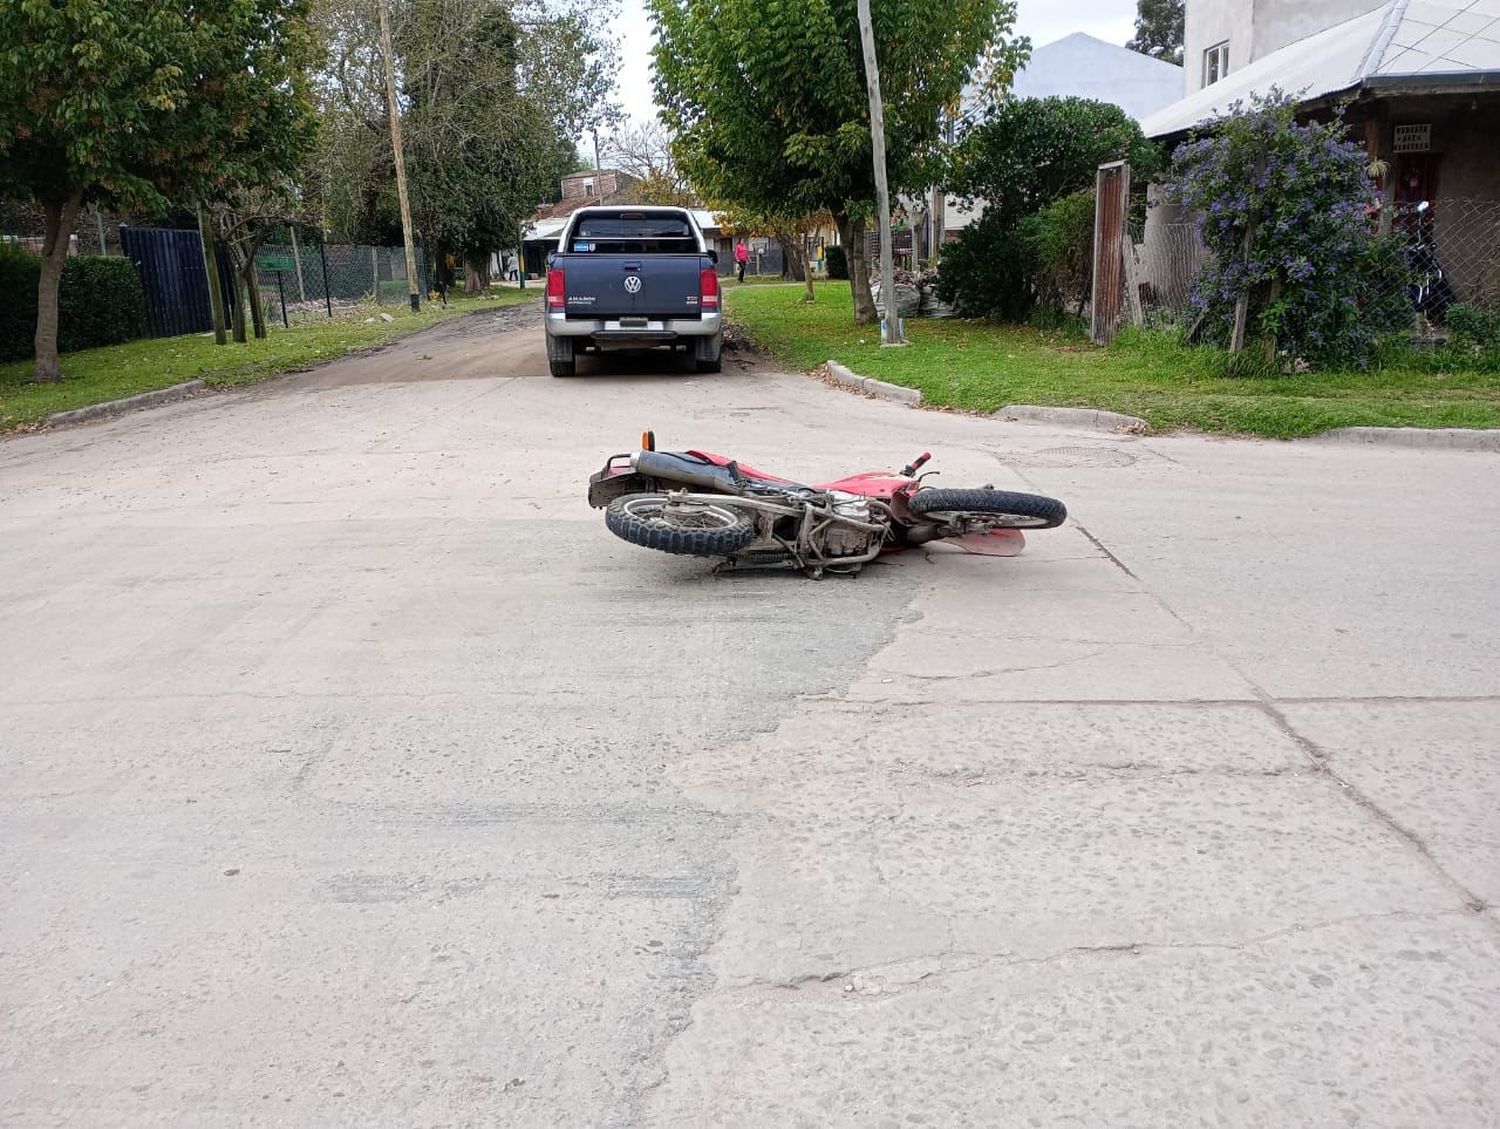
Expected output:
(893, 334)
(1111, 210)
(1242, 303)
(395, 115)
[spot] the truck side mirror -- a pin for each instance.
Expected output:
(713, 256)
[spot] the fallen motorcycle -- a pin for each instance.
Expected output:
(705, 505)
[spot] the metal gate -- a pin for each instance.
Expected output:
(169, 262)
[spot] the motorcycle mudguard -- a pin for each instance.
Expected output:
(994, 543)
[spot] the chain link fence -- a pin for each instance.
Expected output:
(1452, 248)
(301, 282)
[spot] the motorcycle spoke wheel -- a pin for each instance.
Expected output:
(698, 529)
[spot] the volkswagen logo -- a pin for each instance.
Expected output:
(633, 284)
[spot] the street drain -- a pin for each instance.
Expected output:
(1079, 457)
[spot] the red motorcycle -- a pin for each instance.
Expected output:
(706, 505)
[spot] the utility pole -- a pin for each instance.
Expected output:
(390, 101)
(893, 335)
(598, 164)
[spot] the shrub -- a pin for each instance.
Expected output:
(1320, 284)
(838, 262)
(1060, 240)
(1033, 161)
(1474, 328)
(987, 272)
(100, 302)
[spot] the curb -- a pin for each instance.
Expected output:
(841, 374)
(129, 403)
(1416, 438)
(1089, 419)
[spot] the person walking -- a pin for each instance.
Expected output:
(741, 257)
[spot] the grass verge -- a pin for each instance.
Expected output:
(94, 376)
(979, 366)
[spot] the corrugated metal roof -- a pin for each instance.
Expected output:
(1404, 38)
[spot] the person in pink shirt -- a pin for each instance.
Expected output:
(741, 257)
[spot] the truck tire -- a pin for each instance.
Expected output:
(562, 358)
(707, 353)
(647, 520)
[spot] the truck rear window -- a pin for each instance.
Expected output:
(633, 233)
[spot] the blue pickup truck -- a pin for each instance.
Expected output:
(631, 278)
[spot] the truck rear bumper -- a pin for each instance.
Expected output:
(654, 331)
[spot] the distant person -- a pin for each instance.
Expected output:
(742, 257)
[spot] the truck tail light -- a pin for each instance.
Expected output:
(557, 290)
(708, 289)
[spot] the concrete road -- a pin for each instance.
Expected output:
(354, 775)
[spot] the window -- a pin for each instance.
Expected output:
(1215, 63)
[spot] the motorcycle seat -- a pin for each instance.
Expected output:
(693, 469)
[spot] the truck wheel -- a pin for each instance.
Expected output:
(708, 352)
(561, 356)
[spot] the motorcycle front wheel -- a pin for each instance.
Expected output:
(694, 529)
(1001, 508)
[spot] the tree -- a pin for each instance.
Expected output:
(770, 111)
(1026, 155)
(644, 150)
(489, 91)
(1159, 30)
(131, 103)
(791, 231)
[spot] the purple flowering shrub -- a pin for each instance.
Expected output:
(1320, 280)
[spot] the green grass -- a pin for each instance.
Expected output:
(979, 366)
(93, 376)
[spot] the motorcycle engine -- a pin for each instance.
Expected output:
(844, 540)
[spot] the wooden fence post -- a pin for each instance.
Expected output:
(1111, 211)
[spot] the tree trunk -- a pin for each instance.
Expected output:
(793, 255)
(211, 270)
(257, 311)
(477, 275)
(62, 216)
(852, 232)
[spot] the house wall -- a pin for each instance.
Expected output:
(1209, 22)
(1279, 22)
(1256, 27)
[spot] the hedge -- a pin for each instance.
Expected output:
(100, 302)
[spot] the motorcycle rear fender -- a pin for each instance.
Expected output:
(617, 479)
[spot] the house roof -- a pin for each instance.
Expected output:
(1082, 66)
(1403, 43)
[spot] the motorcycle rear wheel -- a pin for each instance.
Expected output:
(694, 529)
(1002, 508)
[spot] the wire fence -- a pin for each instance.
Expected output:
(301, 282)
(1451, 248)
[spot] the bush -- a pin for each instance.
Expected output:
(1060, 242)
(1474, 328)
(100, 302)
(838, 262)
(1033, 161)
(1320, 283)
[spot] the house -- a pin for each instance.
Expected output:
(1420, 83)
(578, 190)
(1080, 66)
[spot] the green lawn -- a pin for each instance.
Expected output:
(978, 366)
(95, 375)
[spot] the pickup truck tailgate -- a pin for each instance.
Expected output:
(631, 286)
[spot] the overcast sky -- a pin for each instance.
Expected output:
(1043, 20)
